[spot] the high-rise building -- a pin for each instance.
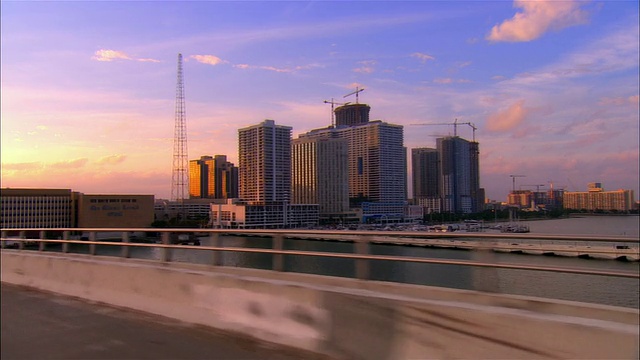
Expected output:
(459, 175)
(425, 169)
(376, 160)
(213, 178)
(376, 168)
(201, 178)
(352, 114)
(264, 153)
(320, 175)
(225, 178)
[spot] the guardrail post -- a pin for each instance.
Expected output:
(92, 247)
(3, 242)
(41, 244)
(65, 246)
(214, 240)
(166, 252)
(278, 259)
(125, 248)
(23, 237)
(362, 265)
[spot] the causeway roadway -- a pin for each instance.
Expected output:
(41, 325)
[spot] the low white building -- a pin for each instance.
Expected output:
(235, 214)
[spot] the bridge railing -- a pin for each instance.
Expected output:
(173, 239)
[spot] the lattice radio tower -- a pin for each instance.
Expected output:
(180, 177)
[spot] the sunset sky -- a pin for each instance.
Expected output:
(88, 87)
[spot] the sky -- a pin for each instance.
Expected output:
(88, 88)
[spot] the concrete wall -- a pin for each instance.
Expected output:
(343, 318)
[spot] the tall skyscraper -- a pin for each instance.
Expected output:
(376, 160)
(460, 177)
(201, 178)
(425, 164)
(265, 163)
(320, 175)
(225, 178)
(213, 178)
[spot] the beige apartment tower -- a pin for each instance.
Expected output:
(377, 161)
(320, 175)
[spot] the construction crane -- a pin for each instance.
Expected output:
(358, 90)
(333, 103)
(455, 127)
(513, 177)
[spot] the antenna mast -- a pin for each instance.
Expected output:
(180, 177)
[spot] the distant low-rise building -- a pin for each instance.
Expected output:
(64, 208)
(115, 211)
(184, 209)
(597, 199)
(37, 208)
(236, 214)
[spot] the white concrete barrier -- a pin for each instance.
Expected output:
(342, 318)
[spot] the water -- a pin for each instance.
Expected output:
(588, 225)
(585, 288)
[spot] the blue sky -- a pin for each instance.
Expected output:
(88, 88)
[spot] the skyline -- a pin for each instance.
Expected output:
(88, 88)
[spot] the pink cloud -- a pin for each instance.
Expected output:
(112, 159)
(443, 81)
(26, 167)
(93, 182)
(536, 18)
(507, 119)
(451, 81)
(367, 67)
(70, 164)
(619, 101)
(208, 59)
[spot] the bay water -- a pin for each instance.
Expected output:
(597, 289)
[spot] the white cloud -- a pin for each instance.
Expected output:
(614, 52)
(538, 17)
(208, 59)
(111, 55)
(277, 69)
(423, 57)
